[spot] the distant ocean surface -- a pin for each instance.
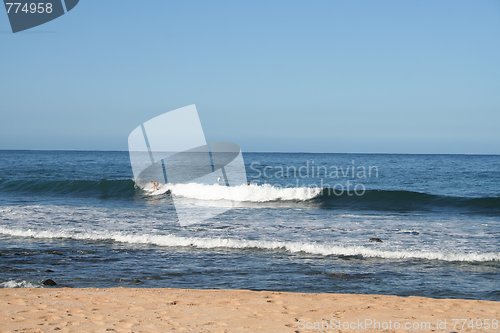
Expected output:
(424, 225)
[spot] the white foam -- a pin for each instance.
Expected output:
(18, 284)
(242, 193)
(407, 231)
(293, 247)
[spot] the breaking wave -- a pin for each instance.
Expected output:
(241, 193)
(19, 284)
(385, 200)
(269, 245)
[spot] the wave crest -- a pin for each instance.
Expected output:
(104, 188)
(241, 193)
(327, 198)
(229, 243)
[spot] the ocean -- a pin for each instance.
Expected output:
(426, 225)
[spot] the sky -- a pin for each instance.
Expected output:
(401, 76)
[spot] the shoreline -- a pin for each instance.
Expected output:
(215, 310)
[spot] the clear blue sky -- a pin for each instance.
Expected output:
(321, 76)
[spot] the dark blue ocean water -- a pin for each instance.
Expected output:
(303, 224)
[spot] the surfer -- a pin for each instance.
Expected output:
(156, 185)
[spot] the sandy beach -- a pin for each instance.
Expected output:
(187, 310)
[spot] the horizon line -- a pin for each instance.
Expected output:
(257, 152)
